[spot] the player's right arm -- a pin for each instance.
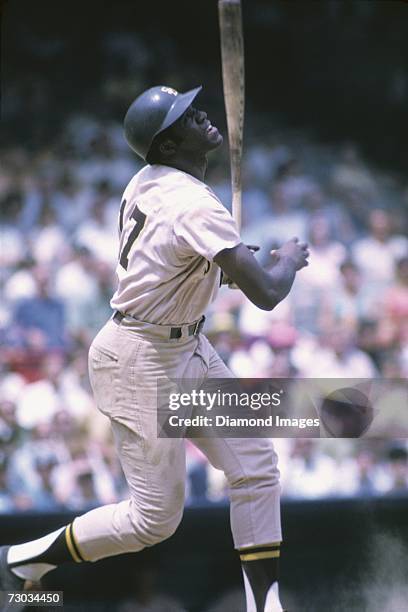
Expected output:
(265, 287)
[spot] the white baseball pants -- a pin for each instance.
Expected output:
(125, 361)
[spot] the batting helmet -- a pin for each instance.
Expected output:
(152, 112)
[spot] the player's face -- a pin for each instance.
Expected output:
(195, 131)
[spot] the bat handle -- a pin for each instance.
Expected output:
(236, 184)
(237, 207)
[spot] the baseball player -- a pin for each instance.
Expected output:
(175, 238)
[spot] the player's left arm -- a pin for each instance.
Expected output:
(264, 287)
(225, 280)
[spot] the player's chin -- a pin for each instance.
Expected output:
(215, 141)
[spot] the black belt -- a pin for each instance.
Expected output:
(175, 332)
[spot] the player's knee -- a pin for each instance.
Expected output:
(156, 526)
(262, 482)
(265, 478)
(155, 531)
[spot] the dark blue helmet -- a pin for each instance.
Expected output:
(152, 112)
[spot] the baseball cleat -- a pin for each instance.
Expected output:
(10, 582)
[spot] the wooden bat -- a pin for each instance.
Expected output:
(233, 77)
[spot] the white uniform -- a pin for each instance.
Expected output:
(175, 225)
(172, 226)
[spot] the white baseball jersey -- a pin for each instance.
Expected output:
(171, 227)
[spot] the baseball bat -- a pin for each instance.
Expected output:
(233, 77)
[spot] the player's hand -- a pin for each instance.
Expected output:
(297, 251)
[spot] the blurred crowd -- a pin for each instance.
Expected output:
(347, 315)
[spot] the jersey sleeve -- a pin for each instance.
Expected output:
(206, 227)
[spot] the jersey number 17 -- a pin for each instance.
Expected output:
(139, 219)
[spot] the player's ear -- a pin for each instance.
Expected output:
(168, 147)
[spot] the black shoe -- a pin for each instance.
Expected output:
(8, 582)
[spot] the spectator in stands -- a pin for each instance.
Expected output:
(326, 255)
(357, 475)
(97, 235)
(42, 317)
(278, 224)
(70, 201)
(253, 358)
(264, 157)
(221, 185)
(223, 334)
(320, 279)
(84, 495)
(77, 286)
(377, 253)
(350, 174)
(20, 284)
(365, 473)
(44, 495)
(393, 328)
(85, 284)
(196, 465)
(352, 301)
(65, 430)
(85, 480)
(14, 494)
(312, 473)
(38, 444)
(57, 193)
(59, 388)
(336, 356)
(48, 240)
(397, 471)
(11, 434)
(39, 194)
(293, 182)
(254, 196)
(13, 247)
(318, 202)
(6, 497)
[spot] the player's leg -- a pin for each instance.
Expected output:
(123, 371)
(155, 508)
(253, 485)
(151, 515)
(250, 466)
